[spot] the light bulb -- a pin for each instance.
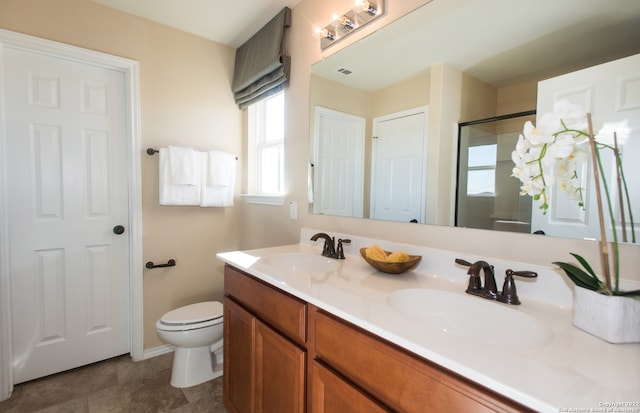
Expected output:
(328, 34)
(347, 22)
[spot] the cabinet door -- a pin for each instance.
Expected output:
(332, 394)
(239, 331)
(280, 373)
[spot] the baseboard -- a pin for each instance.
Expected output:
(157, 351)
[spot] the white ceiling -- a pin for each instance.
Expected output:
(223, 21)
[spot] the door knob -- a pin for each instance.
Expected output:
(118, 229)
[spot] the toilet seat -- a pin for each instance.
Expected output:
(191, 317)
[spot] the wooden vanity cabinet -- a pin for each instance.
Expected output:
(284, 355)
(264, 370)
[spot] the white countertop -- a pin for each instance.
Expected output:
(569, 370)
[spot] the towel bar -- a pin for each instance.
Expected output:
(170, 263)
(151, 152)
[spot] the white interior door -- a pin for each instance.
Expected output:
(339, 166)
(67, 190)
(611, 93)
(398, 167)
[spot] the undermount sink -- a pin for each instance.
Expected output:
(301, 263)
(471, 318)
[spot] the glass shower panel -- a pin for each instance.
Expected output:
(488, 197)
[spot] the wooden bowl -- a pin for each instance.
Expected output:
(392, 267)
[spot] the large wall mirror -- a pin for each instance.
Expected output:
(415, 80)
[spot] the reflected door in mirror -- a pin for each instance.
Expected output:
(398, 167)
(611, 93)
(339, 164)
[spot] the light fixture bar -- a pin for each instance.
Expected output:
(361, 14)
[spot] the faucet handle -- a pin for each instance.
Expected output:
(463, 262)
(509, 294)
(339, 250)
(526, 274)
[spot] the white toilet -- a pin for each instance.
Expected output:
(193, 330)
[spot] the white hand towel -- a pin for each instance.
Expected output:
(219, 195)
(184, 164)
(221, 168)
(172, 194)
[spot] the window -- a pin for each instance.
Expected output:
(481, 172)
(266, 150)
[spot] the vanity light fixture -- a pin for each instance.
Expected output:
(341, 25)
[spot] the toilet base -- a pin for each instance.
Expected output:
(191, 366)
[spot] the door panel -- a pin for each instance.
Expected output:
(68, 187)
(611, 93)
(397, 184)
(339, 169)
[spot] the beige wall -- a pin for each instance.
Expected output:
(517, 98)
(479, 100)
(404, 95)
(185, 100)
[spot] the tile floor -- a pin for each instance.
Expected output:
(115, 385)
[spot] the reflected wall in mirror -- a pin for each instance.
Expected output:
(462, 60)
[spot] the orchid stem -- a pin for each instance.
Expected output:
(616, 154)
(604, 251)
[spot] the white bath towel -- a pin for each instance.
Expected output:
(221, 168)
(184, 166)
(179, 194)
(219, 188)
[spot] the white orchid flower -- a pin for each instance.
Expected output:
(547, 153)
(536, 136)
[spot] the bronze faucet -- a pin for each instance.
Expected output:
(329, 249)
(490, 291)
(475, 287)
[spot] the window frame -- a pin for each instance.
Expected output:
(256, 144)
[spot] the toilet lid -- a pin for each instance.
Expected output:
(193, 313)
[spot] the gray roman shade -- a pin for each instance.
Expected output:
(262, 68)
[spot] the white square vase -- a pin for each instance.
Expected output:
(612, 318)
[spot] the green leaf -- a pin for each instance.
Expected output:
(585, 264)
(579, 277)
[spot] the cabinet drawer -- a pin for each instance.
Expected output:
(398, 379)
(280, 310)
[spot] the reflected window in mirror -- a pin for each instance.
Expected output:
(488, 197)
(481, 170)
